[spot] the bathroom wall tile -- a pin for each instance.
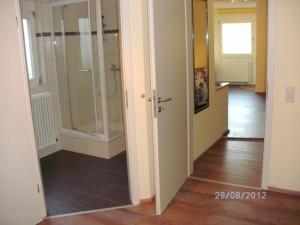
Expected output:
(93, 15)
(55, 106)
(109, 4)
(60, 70)
(82, 10)
(59, 48)
(73, 69)
(66, 116)
(43, 2)
(56, 18)
(63, 90)
(115, 109)
(73, 47)
(44, 10)
(48, 48)
(111, 58)
(110, 18)
(50, 72)
(111, 44)
(39, 18)
(56, 120)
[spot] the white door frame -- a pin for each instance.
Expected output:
(128, 95)
(270, 91)
(190, 82)
(269, 102)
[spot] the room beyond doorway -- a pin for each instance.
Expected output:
(246, 112)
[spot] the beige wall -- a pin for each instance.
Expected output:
(211, 123)
(200, 27)
(261, 44)
(20, 203)
(284, 169)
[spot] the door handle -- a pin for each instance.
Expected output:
(160, 100)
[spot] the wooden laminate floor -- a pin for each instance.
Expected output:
(195, 204)
(232, 161)
(75, 182)
(246, 113)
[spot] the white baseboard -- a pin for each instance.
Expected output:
(48, 150)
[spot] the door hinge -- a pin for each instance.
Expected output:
(38, 188)
(17, 21)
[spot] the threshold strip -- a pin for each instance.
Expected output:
(89, 211)
(225, 183)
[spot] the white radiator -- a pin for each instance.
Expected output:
(43, 120)
(235, 72)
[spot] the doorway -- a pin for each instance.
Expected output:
(74, 71)
(238, 48)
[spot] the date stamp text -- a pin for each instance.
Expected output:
(236, 195)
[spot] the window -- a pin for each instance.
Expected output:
(85, 43)
(28, 49)
(236, 38)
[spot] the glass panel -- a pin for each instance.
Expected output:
(236, 38)
(112, 68)
(74, 67)
(96, 63)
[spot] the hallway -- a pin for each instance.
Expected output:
(246, 112)
(231, 161)
(195, 204)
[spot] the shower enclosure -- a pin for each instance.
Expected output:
(87, 60)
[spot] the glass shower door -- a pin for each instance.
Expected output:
(74, 64)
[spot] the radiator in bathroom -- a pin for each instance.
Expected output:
(43, 120)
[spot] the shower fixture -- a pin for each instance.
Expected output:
(114, 67)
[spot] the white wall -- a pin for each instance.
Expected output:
(284, 137)
(210, 124)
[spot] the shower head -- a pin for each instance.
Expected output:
(114, 67)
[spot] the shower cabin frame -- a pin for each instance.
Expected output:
(104, 103)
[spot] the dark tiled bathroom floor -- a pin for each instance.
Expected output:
(75, 182)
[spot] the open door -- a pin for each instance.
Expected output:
(167, 21)
(20, 198)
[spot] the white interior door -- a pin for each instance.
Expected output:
(167, 21)
(20, 201)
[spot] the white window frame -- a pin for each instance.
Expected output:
(221, 42)
(28, 13)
